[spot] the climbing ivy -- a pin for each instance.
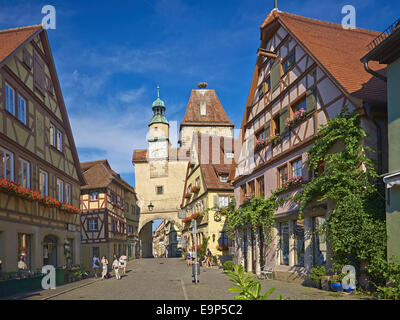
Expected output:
(355, 228)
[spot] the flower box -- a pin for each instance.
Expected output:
(195, 189)
(188, 195)
(274, 140)
(297, 117)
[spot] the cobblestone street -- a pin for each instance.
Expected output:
(170, 279)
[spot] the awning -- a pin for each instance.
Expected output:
(391, 179)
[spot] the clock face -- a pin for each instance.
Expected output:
(158, 149)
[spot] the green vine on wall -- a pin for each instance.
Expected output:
(355, 228)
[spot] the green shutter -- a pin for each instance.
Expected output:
(267, 129)
(276, 74)
(282, 117)
(311, 100)
(291, 58)
(216, 202)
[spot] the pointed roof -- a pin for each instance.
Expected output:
(99, 174)
(11, 39)
(337, 50)
(215, 113)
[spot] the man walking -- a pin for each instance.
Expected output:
(96, 265)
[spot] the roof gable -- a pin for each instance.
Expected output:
(338, 52)
(215, 113)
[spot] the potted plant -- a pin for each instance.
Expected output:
(195, 189)
(316, 275)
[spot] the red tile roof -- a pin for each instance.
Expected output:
(338, 50)
(11, 39)
(98, 174)
(215, 113)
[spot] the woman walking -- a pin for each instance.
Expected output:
(104, 262)
(209, 258)
(115, 266)
(188, 258)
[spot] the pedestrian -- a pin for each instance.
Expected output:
(104, 262)
(209, 258)
(1, 271)
(122, 263)
(95, 265)
(188, 258)
(22, 267)
(115, 266)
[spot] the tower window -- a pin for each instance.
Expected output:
(203, 107)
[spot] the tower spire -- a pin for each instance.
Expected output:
(158, 90)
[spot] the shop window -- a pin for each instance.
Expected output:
(24, 249)
(284, 243)
(319, 242)
(50, 251)
(298, 227)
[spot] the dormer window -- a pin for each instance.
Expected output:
(223, 178)
(203, 106)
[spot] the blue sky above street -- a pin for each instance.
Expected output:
(110, 55)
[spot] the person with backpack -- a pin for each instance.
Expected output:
(115, 266)
(96, 265)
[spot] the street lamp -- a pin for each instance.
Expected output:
(150, 206)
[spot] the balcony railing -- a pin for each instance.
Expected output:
(374, 43)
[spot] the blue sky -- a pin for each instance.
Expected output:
(110, 55)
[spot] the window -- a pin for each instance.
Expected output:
(251, 189)
(93, 224)
(43, 183)
(283, 175)
(10, 99)
(203, 108)
(94, 196)
(284, 243)
(52, 135)
(160, 189)
(6, 165)
(38, 73)
(260, 135)
(60, 190)
(276, 126)
(223, 178)
(223, 201)
(68, 198)
(298, 226)
(59, 140)
(133, 209)
(24, 174)
(297, 170)
(289, 61)
(197, 182)
(260, 92)
(319, 242)
(21, 109)
(189, 189)
(267, 85)
(223, 240)
(315, 173)
(113, 226)
(276, 74)
(127, 207)
(260, 187)
(299, 105)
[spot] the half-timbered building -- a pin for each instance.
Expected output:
(109, 217)
(39, 165)
(306, 71)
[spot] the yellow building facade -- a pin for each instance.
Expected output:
(39, 165)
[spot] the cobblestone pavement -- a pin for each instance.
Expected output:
(170, 279)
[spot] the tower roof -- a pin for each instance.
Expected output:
(158, 110)
(215, 113)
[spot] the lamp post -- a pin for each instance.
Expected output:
(150, 206)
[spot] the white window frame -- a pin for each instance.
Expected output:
(44, 192)
(60, 190)
(59, 140)
(10, 103)
(94, 198)
(68, 189)
(21, 106)
(223, 201)
(92, 223)
(52, 132)
(4, 154)
(23, 162)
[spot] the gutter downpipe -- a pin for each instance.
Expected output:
(374, 73)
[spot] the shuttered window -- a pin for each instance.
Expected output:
(289, 62)
(311, 100)
(38, 74)
(267, 129)
(276, 74)
(282, 117)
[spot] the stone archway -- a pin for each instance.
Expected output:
(145, 231)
